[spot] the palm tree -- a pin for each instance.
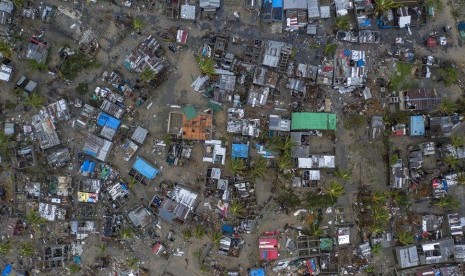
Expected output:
(35, 220)
(282, 145)
(377, 227)
(447, 107)
(405, 238)
(216, 238)
(335, 190)
(187, 234)
(284, 163)
(457, 141)
(137, 24)
(236, 208)
(126, 233)
(206, 65)
(237, 166)
(343, 174)
(133, 263)
(343, 22)
(27, 249)
(131, 182)
(74, 268)
(199, 232)
(5, 248)
(18, 3)
(102, 249)
(316, 231)
(382, 6)
(148, 75)
(259, 168)
(5, 49)
(380, 214)
(379, 198)
(448, 202)
(35, 101)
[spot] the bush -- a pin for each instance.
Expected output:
(449, 75)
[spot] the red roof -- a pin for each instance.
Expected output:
(268, 248)
(431, 42)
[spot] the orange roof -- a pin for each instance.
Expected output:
(199, 128)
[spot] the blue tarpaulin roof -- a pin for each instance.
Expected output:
(88, 166)
(360, 63)
(228, 229)
(107, 120)
(461, 26)
(257, 272)
(417, 125)
(240, 151)
(7, 270)
(277, 4)
(144, 168)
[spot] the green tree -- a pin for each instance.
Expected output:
(379, 198)
(5, 248)
(393, 158)
(236, 208)
(376, 248)
(35, 220)
(216, 238)
(437, 5)
(131, 183)
(199, 232)
(448, 202)
(126, 233)
(457, 141)
(449, 75)
(405, 238)
(237, 166)
(335, 190)
(5, 49)
(74, 268)
(330, 49)
(343, 174)
(317, 201)
(377, 227)
(400, 198)
(5, 143)
(133, 263)
(206, 65)
(34, 65)
(343, 22)
(382, 6)
(82, 88)
(138, 24)
(148, 75)
(35, 101)
(27, 249)
(288, 198)
(282, 145)
(316, 231)
(259, 168)
(187, 234)
(452, 161)
(284, 163)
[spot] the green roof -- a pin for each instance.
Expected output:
(190, 112)
(313, 120)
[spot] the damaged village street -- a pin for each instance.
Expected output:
(232, 137)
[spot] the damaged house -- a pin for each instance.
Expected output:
(349, 69)
(45, 130)
(214, 152)
(178, 205)
(277, 55)
(145, 56)
(420, 99)
(37, 50)
(97, 147)
(143, 171)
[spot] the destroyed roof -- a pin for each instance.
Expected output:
(258, 96)
(226, 82)
(199, 128)
(6, 6)
(44, 129)
(188, 12)
(5, 72)
(59, 110)
(316, 161)
(265, 77)
(441, 126)
(97, 147)
(420, 99)
(279, 124)
(189, 112)
(145, 56)
(313, 9)
(140, 217)
(437, 251)
(273, 53)
(59, 158)
(313, 121)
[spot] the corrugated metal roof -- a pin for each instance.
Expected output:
(295, 4)
(313, 9)
(417, 125)
(209, 4)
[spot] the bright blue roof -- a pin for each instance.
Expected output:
(240, 151)
(277, 4)
(257, 272)
(107, 120)
(144, 168)
(88, 166)
(7, 270)
(417, 125)
(461, 26)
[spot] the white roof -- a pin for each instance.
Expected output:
(404, 21)
(325, 12)
(317, 161)
(5, 72)
(188, 12)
